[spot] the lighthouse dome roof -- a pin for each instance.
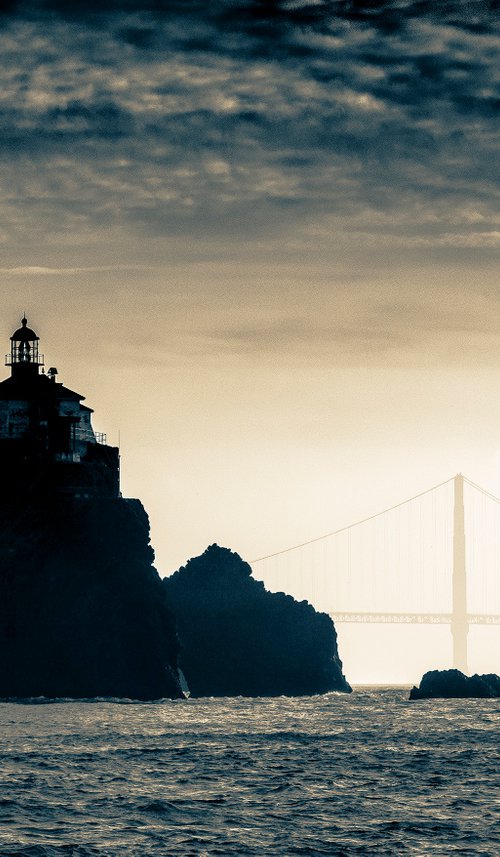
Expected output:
(24, 333)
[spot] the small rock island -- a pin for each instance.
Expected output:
(453, 684)
(237, 639)
(83, 613)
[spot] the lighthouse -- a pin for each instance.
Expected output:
(48, 446)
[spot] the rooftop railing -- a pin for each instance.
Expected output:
(90, 436)
(34, 359)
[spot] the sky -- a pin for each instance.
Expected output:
(262, 238)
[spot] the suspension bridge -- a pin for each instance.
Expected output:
(431, 559)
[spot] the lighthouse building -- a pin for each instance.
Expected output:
(47, 443)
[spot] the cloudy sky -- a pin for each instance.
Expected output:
(263, 239)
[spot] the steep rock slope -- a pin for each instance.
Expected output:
(82, 611)
(238, 639)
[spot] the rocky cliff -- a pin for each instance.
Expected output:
(453, 684)
(238, 639)
(83, 612)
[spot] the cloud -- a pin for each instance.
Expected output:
(41, 271)
(247, 118)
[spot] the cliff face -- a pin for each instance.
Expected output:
(238, 639)
(82, 611)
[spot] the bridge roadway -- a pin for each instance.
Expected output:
(413, 618)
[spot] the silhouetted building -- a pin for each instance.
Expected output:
(47, 443)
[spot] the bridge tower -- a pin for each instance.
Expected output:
(459, 621)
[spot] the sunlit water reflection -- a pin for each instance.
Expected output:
(340, 775)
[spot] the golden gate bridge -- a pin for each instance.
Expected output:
(431, 559)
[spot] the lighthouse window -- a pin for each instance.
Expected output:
(24, 351)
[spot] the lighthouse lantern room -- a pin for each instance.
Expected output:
(24, 355)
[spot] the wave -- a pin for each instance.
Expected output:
(63, 700)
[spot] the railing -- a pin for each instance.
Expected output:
(35, 359)
(90, 436)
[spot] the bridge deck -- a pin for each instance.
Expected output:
(414, 618)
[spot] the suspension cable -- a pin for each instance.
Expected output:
(482, 490)
(357, 523)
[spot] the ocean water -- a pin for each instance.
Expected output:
(369, 773)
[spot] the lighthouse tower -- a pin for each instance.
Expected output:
(24, 356)
(47, 443)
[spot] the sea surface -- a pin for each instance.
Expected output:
(369, 773)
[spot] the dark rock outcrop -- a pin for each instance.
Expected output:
(237, 639)
(453, 684)
(82, 611)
